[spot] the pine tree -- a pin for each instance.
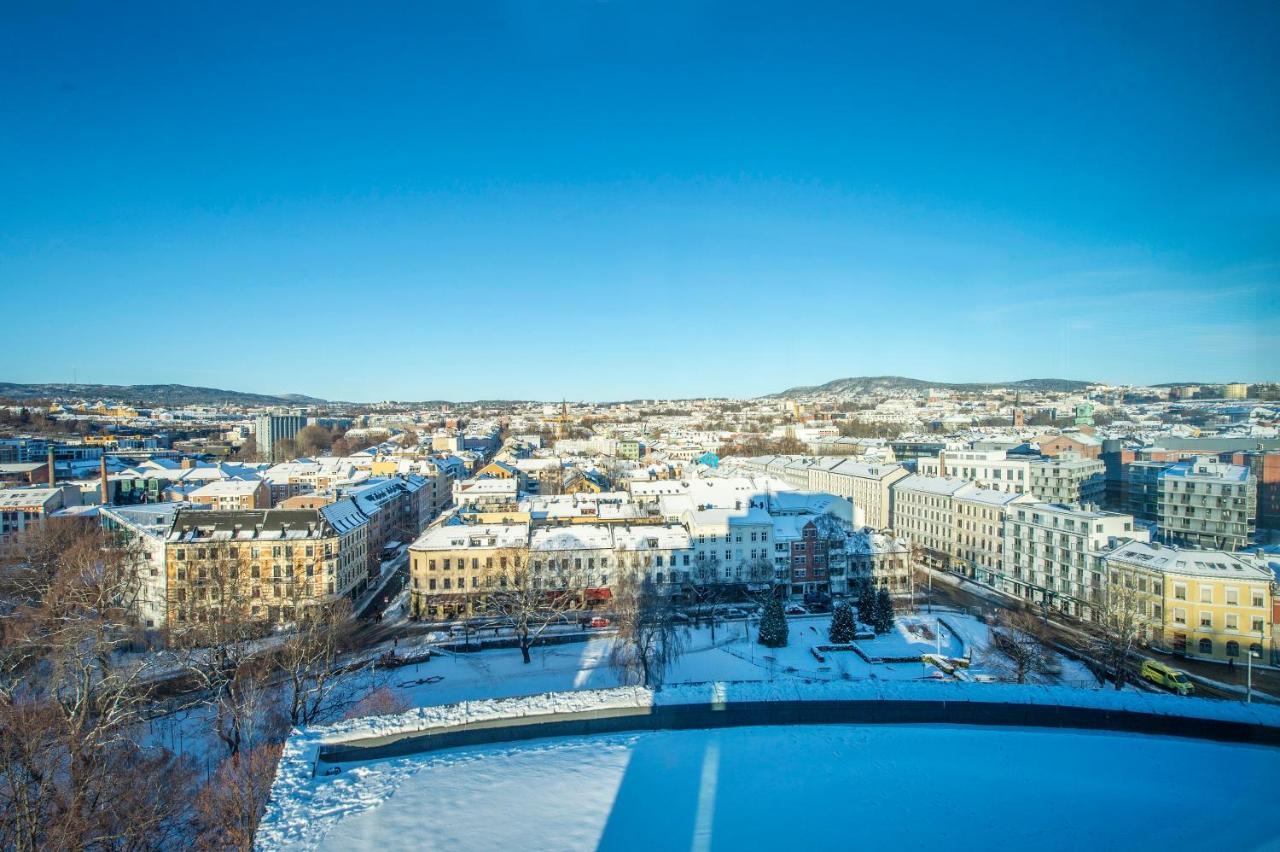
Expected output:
(867, 602)
(843, 629)
(773, 625)
(883, 617)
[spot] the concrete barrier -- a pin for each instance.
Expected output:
(754, 713)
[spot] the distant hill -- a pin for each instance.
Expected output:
(149, 395)
(874, 384)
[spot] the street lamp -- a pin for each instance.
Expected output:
(1248, 693)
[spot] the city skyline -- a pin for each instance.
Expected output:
(612, 201)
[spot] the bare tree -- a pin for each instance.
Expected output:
(229, 807)
(705, 591)
(1120, 625)
(1017, 649)
(72, 772)
(528, 600)
(313, 440)
(649, 640)
(309, 659)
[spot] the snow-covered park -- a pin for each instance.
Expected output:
(842, 786)
(733, 654)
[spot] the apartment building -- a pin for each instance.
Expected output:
(22, 509)
(1203, 502)
(661, 554)
(448, 565)
(1265, 467)
(230, 495)
(878, 557)
(923, 514)
(486, 495)
(868, 486)
(271, 429)
(1069, 477)
(1065, 478)
(271, 562)
(729, 524)
(979, 515)
(309, 476)
(1207, 604)
(985, 468)
(1052, 555)
(144, 529)
(351, 566)
(802, 553)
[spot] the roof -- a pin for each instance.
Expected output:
(249, 524)
(1217, 564)
(466, 536)
(11, 498)
(344, 515)
(576, 537)
(944, 485)
(227, 488)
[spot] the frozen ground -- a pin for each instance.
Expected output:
(733, 655)
(909, 787)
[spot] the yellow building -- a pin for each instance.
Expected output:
(1235, 390)
(1206, 604)
(450, 564)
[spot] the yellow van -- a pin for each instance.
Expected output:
(1171, 678)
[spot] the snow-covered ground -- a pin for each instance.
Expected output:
(733, 655)
(841, 786)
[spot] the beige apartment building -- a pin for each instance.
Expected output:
(868, 486)
(449, 565)
(265, 563)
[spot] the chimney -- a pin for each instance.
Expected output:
(106, 489)
(53, 479)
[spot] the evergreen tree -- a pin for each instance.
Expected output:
(883, 617)
(866, 602)
(843, 629)
(773, 625)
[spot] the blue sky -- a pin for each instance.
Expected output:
(616, 200)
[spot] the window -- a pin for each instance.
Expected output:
(1179, 615)
(1232, 623)
(1180, 591)
(1258, 598)
(1206, 646)
(1233, 649)
(1206, 594)
(1233, 597)
(1256, 625)
(1206, 619)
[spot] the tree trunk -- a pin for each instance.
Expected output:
(524, 649)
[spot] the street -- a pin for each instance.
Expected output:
(1212, 680)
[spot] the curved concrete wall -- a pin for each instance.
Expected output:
(747, 713)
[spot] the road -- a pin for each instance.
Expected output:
(1212, 680)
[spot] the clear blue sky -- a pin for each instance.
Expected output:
(607, 200)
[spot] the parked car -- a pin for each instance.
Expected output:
(796, 609)
(1167, 676)
(599, 622)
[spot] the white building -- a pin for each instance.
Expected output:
(1053, 555)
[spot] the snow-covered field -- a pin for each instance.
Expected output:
(732, 655)
(842, 786)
